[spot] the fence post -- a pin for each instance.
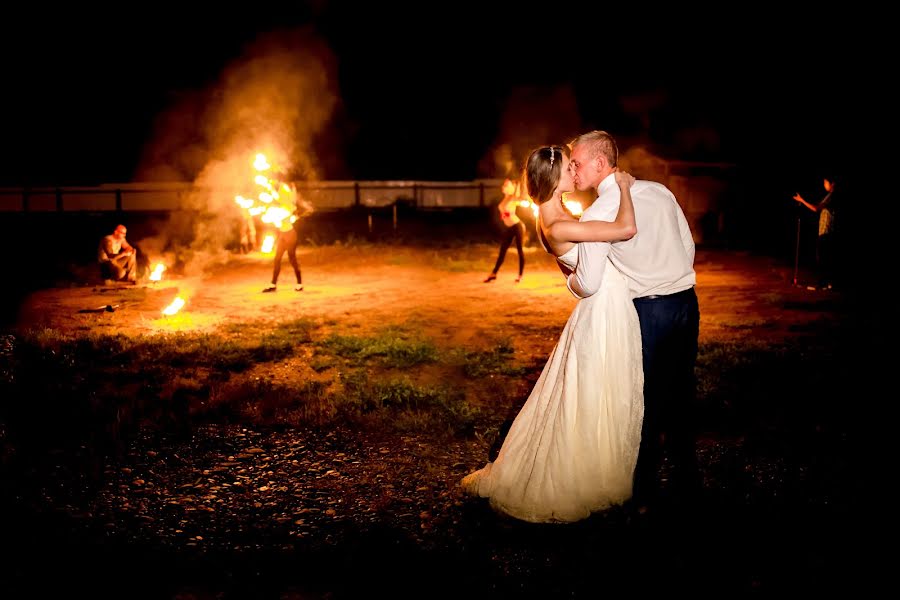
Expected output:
(118, 200)
(356, 193)
(59, 201)
(395, 216)
(25, 200)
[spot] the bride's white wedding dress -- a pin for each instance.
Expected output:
(573, 447)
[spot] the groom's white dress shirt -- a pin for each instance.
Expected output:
(658, 260)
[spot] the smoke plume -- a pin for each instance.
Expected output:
(275, 99)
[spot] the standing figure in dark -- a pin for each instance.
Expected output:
(287, 242)
(825, 244)
(514, 229)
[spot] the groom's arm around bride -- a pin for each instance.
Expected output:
(657, 261)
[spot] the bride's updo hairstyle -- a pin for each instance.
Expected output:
(542, 172)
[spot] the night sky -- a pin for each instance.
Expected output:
(430, 96)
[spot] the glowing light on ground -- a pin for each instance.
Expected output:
(156, 275)
(173, 308)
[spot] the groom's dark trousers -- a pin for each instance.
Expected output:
(670, 326)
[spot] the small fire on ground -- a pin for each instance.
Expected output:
(156, 275)
(174, 307)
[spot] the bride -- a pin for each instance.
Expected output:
(573, 447)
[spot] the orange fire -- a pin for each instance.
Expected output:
(156, 275)
(529, 204)
(574, 207)
(260, 163)
(274, 202)
(173, 308)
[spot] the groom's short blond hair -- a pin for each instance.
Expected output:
(597, 143)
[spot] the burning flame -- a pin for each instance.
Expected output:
(529, 204)
(574, 207)
(260, 163)
(274, 201)
(276, 215)
(156, 275)
(173, 308)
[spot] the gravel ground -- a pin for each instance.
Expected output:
(234, 512)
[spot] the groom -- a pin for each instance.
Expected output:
(658, 263)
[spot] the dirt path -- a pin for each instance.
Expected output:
(438, 292)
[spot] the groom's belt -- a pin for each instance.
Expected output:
(686, 292)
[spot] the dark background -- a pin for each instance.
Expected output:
(429, 92)
(82, 87)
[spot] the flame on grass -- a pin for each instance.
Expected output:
(173, 308)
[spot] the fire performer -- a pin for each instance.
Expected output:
(117, 258)
(287, 242)
(514, 229)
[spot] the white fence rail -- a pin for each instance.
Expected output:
(324, 195)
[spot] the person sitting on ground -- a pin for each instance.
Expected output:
(117, 258)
